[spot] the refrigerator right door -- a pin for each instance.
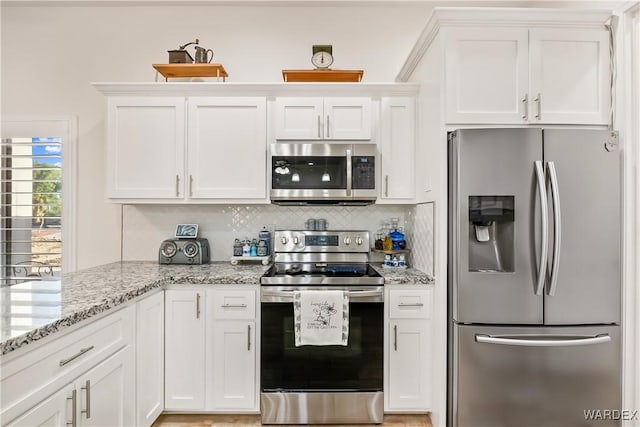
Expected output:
(584, 280)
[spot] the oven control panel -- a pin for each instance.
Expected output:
(321, 241)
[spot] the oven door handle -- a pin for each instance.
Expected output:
(376, 295)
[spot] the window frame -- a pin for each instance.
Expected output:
(65, 127)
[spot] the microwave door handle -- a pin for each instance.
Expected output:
(349, 174)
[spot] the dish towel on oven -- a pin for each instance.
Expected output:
(321, 317)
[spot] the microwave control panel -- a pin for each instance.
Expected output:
(363, 171)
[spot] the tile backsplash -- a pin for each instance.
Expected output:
(145, 226)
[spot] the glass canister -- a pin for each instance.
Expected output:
(262, 248)
(265, 236)
(237, 248)
(397, 237)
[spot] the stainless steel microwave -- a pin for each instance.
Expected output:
(341, 174)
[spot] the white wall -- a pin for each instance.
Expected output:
(51, 54)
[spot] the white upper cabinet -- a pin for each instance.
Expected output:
(317, 118)
(222, 138)
(146, 139)
(519, 75)
(486, 75)
(227, 147)
(570, 81)
(397, 148)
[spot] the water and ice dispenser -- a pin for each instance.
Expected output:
(491, 234)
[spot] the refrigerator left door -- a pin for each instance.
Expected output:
(553, 377)
(494, 208)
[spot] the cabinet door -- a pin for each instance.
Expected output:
(347, 118)
(234, 365)
(298, 118)
(227, 149)
(106, 393)
(570, 80)
(55, 411)
(184, 350)
(409, 365)
(145, 147)
(397, 146)
(150, 359)
(486, 75)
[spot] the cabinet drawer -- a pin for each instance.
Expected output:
(34, 375)
(234, 304)
(410, 303)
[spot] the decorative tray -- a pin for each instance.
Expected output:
(263, 259)
(322, 75)
(191, 70)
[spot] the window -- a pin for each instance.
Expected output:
(31, 209)
(37, 199)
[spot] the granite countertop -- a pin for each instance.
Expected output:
(34, 310)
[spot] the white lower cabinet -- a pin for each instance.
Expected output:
(234, 372)
(234, 379)
(185, 367)
(211, 349)
(101, 397)
(56, 410)
(149, 359)
(105, 394)
(408, 370)
(83, 378)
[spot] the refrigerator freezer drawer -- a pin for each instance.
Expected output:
(534, 376)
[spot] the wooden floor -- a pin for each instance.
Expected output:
(166, 420)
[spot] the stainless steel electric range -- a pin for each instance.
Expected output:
(322, 384)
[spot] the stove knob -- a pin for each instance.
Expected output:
(359, 240)
(296, 240)
(284, 240)
(347, 240)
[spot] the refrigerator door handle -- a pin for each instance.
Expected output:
(542, 190)
(556, 229)
(542, 340)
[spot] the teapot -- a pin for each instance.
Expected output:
(202, 55)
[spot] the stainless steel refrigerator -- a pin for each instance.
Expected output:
(534, 278)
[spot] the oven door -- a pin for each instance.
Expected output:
(356, 367)
(322, 384)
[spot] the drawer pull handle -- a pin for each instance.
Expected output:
(75, 356)
(197, 306)
(417, 304)
(87, 387)
(74, 409)
(234, 305)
